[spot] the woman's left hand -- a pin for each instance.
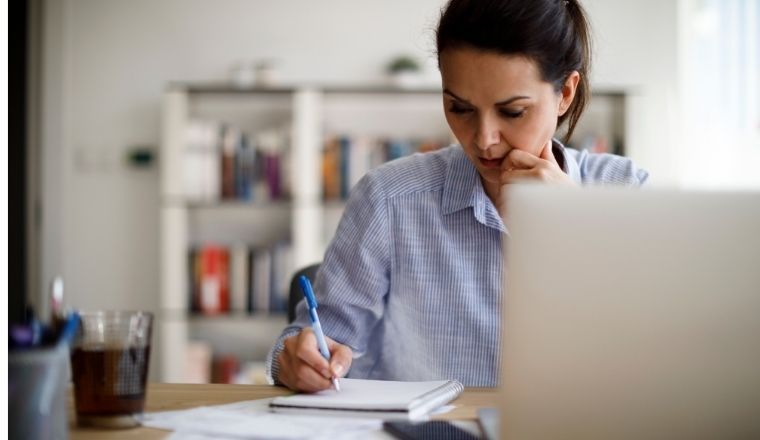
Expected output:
(527, 167)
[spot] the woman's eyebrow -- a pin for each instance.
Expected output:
(504, 102)
(512, 99)
(448, 92)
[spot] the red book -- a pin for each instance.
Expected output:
(214, 291)
(225, 369)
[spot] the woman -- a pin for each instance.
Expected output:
(410, 287)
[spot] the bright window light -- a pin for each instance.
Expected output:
(720, 76)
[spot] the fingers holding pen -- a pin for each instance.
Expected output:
(304, 368)
(300, 376)
(299, 369)
(307, 351)
(341, 357)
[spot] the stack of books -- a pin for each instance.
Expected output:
(239, 279)
(221, 162)
(346, 159)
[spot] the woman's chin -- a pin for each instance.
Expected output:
(490, 176)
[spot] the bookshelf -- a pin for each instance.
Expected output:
(295, 123)
(193, 214)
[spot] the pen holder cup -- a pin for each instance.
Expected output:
(37, 380)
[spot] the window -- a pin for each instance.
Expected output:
(720, 95)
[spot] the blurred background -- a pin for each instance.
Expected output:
(186, 157)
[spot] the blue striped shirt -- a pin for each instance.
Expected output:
(412, 280)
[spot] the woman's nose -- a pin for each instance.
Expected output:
(487, 135)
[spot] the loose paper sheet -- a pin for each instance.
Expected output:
(252, 420)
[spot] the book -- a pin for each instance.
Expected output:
(245, 169)
(373, 398)
(347, 158)
(345, 161)
(238, 278)
(282, 271)
(197, 363)
(331, 169)
(193, 279)
(229, 140)
(261, 275)
(225, 368)
(202, 161)
(214, 280)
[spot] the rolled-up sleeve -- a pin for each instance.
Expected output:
(353, 280)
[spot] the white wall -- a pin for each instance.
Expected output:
(636, 49)
(107, 63)
(114, 61)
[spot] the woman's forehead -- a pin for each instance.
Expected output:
(473, 73)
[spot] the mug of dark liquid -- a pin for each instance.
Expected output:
(109, 366)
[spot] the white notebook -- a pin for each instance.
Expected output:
(373, 398)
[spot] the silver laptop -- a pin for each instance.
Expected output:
(631, 314)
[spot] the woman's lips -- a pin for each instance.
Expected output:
(491, 163)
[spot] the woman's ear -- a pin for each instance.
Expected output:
(568, 91)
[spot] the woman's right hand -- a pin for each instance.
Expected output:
(302, 366)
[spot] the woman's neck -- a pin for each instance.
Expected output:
(493, 191)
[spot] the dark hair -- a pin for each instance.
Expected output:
(553, 33)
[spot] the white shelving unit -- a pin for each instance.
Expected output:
(304, 219)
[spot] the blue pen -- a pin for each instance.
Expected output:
(69, 330)
(311, 303)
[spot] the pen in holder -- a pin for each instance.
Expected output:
(37, 378)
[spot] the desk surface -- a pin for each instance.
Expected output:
(165, 397)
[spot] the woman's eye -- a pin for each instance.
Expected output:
(511, 113)
(458, 109)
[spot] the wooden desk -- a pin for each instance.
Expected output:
(165, 397)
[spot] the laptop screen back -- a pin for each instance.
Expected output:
(631, 314)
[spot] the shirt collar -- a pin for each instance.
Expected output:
(461, 184)
(462, 189)
(566, 162)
